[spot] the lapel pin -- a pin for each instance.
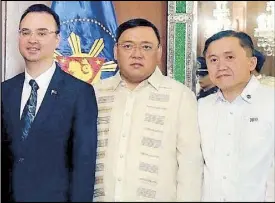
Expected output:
(53, 92)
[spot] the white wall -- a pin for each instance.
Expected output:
(3, 31)
(12, 61)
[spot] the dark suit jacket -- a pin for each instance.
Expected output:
(203, 93)
(57, 160)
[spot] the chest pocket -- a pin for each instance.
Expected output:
(256, 132)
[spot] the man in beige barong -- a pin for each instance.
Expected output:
(148, 135)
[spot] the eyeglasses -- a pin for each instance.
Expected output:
(144, 48)
(39, 34)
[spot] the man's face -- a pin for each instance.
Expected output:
(37, 41)
(228, 63)
(137, 53)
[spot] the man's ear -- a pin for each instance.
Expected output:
(57, 40)
(252, 63)
(159, 54)
(115, 51)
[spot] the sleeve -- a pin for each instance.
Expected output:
(189, 155)
(6, 160)
(270, 190)
(84, 146)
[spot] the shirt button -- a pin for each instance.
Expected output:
(121, 156)
(228, 154)
(224, 177)
(127, 114)
(119, 179)
(231, 113)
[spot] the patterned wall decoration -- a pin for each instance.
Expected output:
(182, 41)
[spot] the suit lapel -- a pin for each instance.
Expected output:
(15, 102)
(50, 100)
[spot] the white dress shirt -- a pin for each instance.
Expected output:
(43, 82)
(238, 145)
(148, 141)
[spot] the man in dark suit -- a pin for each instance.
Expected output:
(49, 121)
(206, 86)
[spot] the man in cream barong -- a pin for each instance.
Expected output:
(148, 135)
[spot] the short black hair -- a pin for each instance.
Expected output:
(260, 60)
(202, 70)
(245, 40)
(136, 23)
(42, 8)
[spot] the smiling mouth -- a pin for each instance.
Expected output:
(136, 65)
(33, 49)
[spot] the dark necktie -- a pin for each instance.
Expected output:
(29, 110)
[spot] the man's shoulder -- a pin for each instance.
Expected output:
(75, 83)
(175, 85)
(208, 100)
(105, 83)
(265, 94)
(11, 82)
(13, 79)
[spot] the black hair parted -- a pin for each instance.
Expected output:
(137, 22)
(42, 8)
(245, 40)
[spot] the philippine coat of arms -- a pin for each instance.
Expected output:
(85, 66)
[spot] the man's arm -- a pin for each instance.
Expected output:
(6, 160)
(269, 196)
(84, 145)
(189, 153)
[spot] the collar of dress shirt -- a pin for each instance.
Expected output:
(247, 93)
(154, 79)
(44, 79)
(259, 76)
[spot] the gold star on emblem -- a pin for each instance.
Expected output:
(98, 62)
